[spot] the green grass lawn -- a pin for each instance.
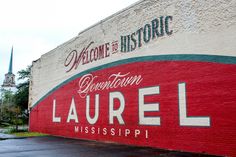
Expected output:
(21, 132)
(27, 134)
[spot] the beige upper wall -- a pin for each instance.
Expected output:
(199, 27)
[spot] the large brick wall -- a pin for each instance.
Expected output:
(158, 73)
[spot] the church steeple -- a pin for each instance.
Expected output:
(9, 81)
(10, 64)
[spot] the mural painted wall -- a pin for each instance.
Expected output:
(158, 73)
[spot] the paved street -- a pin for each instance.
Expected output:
(62, 147)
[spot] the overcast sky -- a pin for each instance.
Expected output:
(34, 27)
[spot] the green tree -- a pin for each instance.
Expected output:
(6, 100)
(14, 105)
(10, 113)
(7, 97)
(22, 94)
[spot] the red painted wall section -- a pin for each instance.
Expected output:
(210, 90)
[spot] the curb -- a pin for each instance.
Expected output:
(21, 137)
(7, 138)
(4, 136)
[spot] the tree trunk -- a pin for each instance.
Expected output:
(16, 127)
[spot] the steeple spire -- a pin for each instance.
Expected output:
(10, 64)
(9, 81)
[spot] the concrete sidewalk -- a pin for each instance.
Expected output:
(49, 146)
(6, 136)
